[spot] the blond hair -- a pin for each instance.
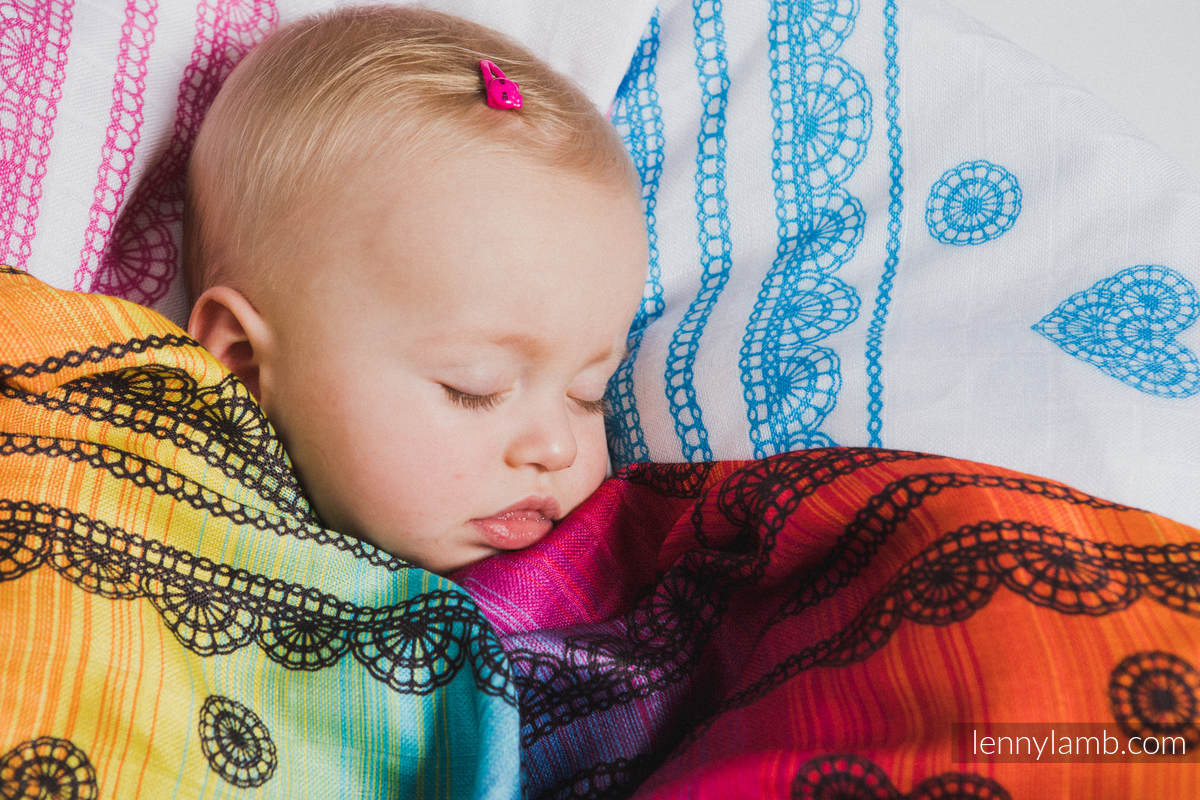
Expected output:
(340, 88)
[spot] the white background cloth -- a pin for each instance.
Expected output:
(1140, 58)
(963, 370)
(963, 367)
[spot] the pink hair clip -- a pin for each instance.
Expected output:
(500, 91)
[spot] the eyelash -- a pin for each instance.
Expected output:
(484, 402)
(473, 402)
(594, 406)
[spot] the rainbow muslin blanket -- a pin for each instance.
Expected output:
(853, 624)
(839, 623)
(174, 622)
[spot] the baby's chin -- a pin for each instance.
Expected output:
(443, 561)
(459, 567)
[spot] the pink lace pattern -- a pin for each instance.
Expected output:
(141, 257)
(124, 132)
(33, 56)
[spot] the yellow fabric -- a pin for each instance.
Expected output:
(174, 621)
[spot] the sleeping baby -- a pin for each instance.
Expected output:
(421, 250)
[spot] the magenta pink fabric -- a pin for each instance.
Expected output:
(121, 139)
(140, 259)
(34, 37)
(129, 246)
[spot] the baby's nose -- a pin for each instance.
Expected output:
(546, 441)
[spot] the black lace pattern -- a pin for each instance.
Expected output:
(851, 777)
(657, 649)
(236, 743)
(1157, 694)
(415, 647)
(47, 767)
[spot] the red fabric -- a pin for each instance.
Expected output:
(822, 620)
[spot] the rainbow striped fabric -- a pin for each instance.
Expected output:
(845, 623)
(837, 622)
(173, 620)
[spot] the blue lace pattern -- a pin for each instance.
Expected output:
(716, 248)
(637, 116)
(1127, 326)
(973, 203)
(883, 298)
(821, 113)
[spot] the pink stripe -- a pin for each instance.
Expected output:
(124, 132)
(141, 259)
(34, 37)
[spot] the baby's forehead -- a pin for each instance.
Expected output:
(481, 222)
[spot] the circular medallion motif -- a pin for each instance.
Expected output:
(851, 777)
(842, 777)
(973, 203)
(48, 769)
(236, 743)
(1156, 694)
(958, 786)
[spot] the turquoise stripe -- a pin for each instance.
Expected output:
(712, 217)
(883, 299)
(637, 115)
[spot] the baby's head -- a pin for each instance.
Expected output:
(427, 295)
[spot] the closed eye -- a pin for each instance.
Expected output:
(593, 406)
(473, 402)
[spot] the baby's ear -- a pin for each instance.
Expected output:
(231, 328)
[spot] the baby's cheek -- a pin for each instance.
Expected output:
(593, 461)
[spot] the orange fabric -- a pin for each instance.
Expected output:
(174, 620)
(841, 619)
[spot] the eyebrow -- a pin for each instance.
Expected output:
(530, 345)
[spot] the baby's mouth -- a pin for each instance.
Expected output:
(520, 525)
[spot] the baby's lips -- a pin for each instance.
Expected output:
(521, 524)
(515, 530)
